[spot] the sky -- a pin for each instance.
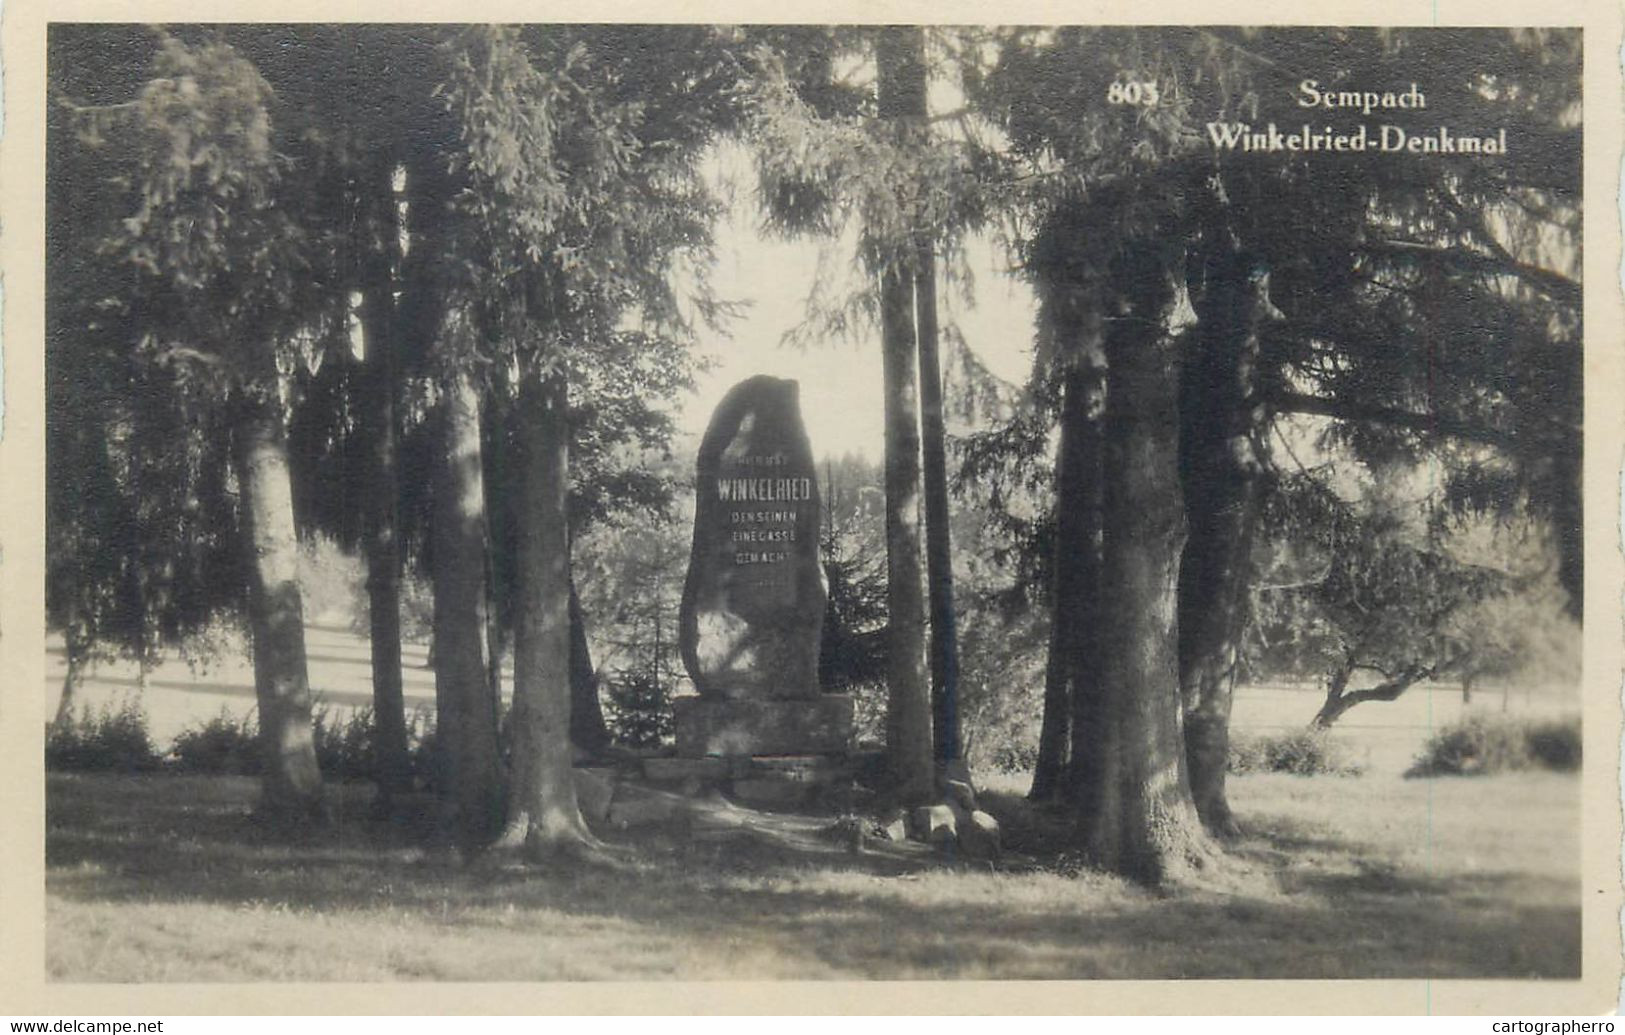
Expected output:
(840, 380)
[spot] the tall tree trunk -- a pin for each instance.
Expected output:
(466, 737)
(1070, 676)
(494, 638)
(899, 59)
(1084, 536)
(938, 542)
(76, 644)
(498, 516)
(394, 775)
(1055, 727)
(1221, 422)
(587, 728)
(1137, 816)
(292, 782)
(1568, 517)
(543, 815)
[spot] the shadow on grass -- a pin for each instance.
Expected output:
(168, 839)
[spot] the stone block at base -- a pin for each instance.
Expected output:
(772, 793)
(805, 769)
(681, 770)
(763, 726)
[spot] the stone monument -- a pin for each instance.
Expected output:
(753, 603)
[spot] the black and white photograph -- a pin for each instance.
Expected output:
(721, 501)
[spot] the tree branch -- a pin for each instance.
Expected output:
(1549, 282)
(1339, 701)
(1427, 423)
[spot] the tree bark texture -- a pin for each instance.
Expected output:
(1071, 680)
(1055, 727)
(468, 766)
(1568, 517)
(499, 515)
(1136, 811)
(76, 644)
(543, 815)
(938, 541)
(908, 718)
(292, 782)
(1222, 421)
(383, 551)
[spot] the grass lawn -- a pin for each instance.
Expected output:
(167, 878)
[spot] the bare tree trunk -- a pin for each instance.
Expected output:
(1084, 536)
(394, 772)
(1568, 516)
(899, 58)
(76, 644)
(292, 782)
(1069, 675)
(1137, 816)
(938, 541)
(493, 637)
(1074, 309)
(1055, 728)
(1339, 699)
(498, 515)
(543, 815)
(1221, 422)
(466, 737)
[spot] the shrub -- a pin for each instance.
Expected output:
(227, 744)
(640, 709)
(1475, 745)
(224, 744)
(1556, 744)
(1014, 758)
(100, 741)
(346, 750)
(1246, 756)
(1481, 745)
(1300, 752)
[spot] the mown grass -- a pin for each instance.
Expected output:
(168, 878)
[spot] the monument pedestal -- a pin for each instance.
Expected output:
(821, 725)
(750, 623)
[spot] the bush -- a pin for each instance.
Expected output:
(101, 741)
(224, 744)
(1300, 752)
(1014, 758)
(640, 709)
(1555, 745)
(1481, 745)
(348, 749)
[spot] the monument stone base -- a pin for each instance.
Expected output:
(763, 726)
